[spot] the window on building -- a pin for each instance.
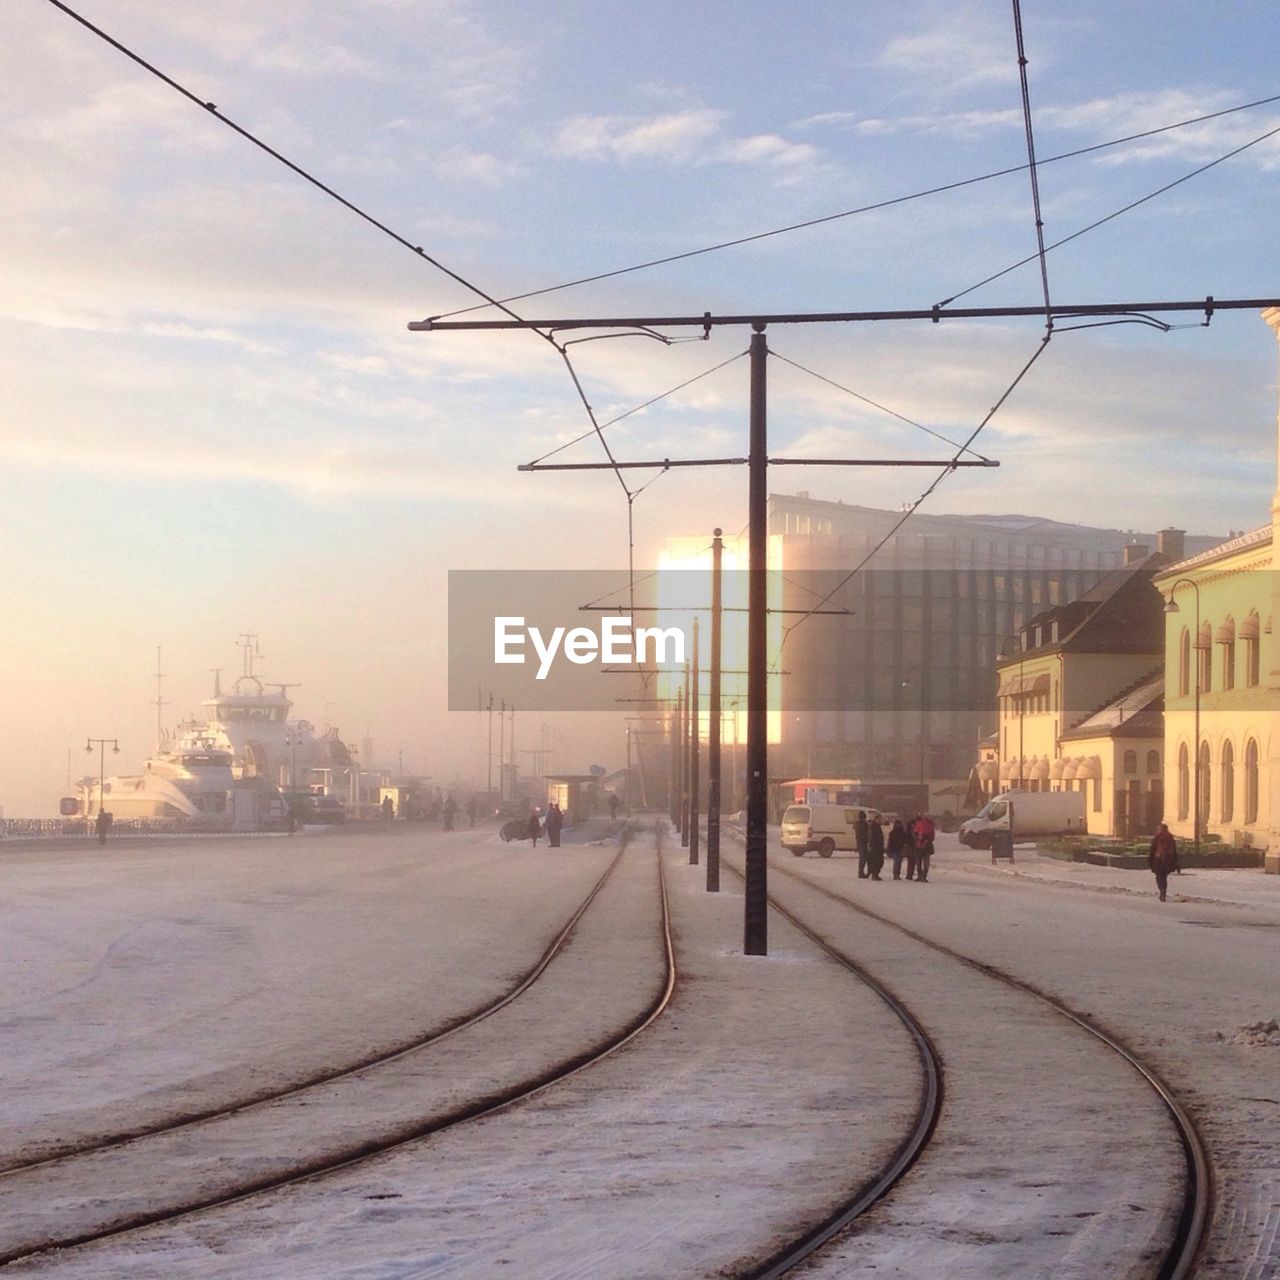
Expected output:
(1249, 631)
(1153, 762)
(1184, 789)
(1204, 659)
(1251, 781)
(1204, 779)
(1131, 762)
(1097, 795)
(1228, 781)
(1225, 637)
(1184, 663)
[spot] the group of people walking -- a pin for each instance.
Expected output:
(910, 843)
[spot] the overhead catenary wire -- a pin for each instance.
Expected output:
(1110, 217)
(1031, 161)
(367, 217)
(870, 208)
(875, 404)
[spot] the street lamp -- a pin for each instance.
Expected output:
(101, 744)
(1022, 699)
(1171, 606)
(906, 684)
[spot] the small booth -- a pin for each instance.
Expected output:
(575, 793)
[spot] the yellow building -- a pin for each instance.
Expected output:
(1069, 682)
(1222, 676)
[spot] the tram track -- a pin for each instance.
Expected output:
(1178, 1259)
(452, 1026)
(320, 1164)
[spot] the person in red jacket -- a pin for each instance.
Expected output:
(1163, 857)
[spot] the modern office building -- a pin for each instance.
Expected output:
(905, 688)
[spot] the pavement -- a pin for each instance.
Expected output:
(1237, 887)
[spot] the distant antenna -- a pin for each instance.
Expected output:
(249, 643)
(217, 681)
(160, 702)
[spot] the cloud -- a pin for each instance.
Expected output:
(960, 51)
(674, 138)
(476, 166)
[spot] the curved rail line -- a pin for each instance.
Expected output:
(472, 1110)
(1193, 1219)
(406, 1047)
(909, 1149)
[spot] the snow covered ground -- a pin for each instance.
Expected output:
(143, 982)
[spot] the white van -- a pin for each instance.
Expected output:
(1033, 813)
(824, 827)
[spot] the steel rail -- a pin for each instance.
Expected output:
(475, 1109)
(459, 1023)
(1193, 1218)
(908, 1150)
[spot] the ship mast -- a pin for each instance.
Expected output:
(160, 701)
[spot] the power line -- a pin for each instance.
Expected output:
(1031, 160)
(212, 109)
(893, 413)
(870, 208)
(1075, 235)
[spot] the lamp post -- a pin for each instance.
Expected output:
(101, 744)
(1171, 606)
(1022, 700)
(906, 684)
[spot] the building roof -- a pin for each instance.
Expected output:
(1122, 613)
(1245, 542)
(1138, 712)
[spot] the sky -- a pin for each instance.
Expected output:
(215, 419)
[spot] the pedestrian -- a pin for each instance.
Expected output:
(102, 825)
(613, 805)
(875, 847)
(534, 828)
(897, 846)
(472, 810)
(923, 831)
(860, 843)
(1163, 857)
(388, 808)
(555, 821)
(450, 812)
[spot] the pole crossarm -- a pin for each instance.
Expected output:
(1208, 305)
(665, 463)
(705, 608)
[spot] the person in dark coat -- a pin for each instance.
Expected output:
(102, 825)
(897, 846)
(860, 843)
(922, 831)
(450, 812)
(534, 828)
(875, 847)
(614, 805)
(555, 822)
(1163, 857)
(472, 810)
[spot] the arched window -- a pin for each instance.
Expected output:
(1249, 631)
(1131, 762)
(1184, 788)
(1225, 636)
(1204, 779)
(1251, 781)
(1184, 663)
(1228, 781)
(1204, 659)
(1153, 762)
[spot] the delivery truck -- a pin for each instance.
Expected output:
(1024, 815)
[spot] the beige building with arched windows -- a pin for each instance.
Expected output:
(1222, 689)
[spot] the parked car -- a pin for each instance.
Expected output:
(825, 827)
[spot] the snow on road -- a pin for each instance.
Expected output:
(144, 981)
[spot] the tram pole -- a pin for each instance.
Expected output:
(755, 928)
(713, 723)
(694, 727)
